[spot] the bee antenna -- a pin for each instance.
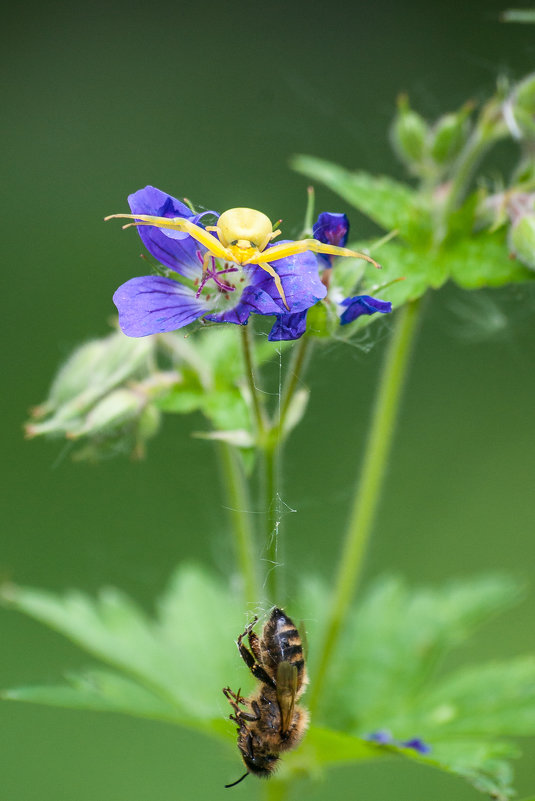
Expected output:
(238, 781)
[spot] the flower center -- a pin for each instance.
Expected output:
(223, 286)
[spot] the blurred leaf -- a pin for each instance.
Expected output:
(522, 15)
(483, 260)
(296, 409)
(227, 410)
(387, 202)
(394, 641)
(172, 667)
(497, 698)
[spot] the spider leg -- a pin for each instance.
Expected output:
(269, 269)
(179, 224)
(301, 246)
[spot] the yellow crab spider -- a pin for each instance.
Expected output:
(242, 238)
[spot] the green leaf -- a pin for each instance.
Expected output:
(394, 641)
(483, 260)
(227, 410)
(390, 204)
(497, 698)
(172, 666)
(102, 691)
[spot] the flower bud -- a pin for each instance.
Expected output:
(409, 134)
(449, 135)
(116, 410)
(322, 320)
(519, 110)
(522, 240)
(91, 371)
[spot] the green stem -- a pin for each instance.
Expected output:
(238, 505)
(486, 133)
(300, 357)
(251, 379)
(369, 488)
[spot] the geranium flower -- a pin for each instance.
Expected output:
(384, 737)
(226, 292)
(332, 229)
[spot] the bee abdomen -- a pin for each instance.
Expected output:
(282, 641)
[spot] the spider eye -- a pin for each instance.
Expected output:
(253, 244)
(234, 242)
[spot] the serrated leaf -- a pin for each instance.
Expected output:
(102, 691)
(395, 640)
(389, 203)
(495, 698)
(172, 667)
(483, 260)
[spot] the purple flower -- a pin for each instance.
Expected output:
(332, 229)
(384, 737)
(226, 292)
(362, 304)
(416, 744)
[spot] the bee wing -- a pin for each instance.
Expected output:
(286, 692)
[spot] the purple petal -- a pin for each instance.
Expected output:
(300, 280)
(253, 299)
(151, 304)
(362, 304)
(383, 737)
(331, 229)
(417, 745)
(288, 326)
(175, 249)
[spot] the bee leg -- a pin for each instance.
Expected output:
(249, 744)
(234, 699)
(248, 716)
(239, 699)
(256, 669)
(254, 644)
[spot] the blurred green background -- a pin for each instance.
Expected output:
(210, 100)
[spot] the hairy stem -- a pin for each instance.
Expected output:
(486, 133)
(369, 487)
(242, 530)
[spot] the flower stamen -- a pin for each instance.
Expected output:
(213, 273)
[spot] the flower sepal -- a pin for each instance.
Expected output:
(323, 320)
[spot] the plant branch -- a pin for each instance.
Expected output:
(369, 487)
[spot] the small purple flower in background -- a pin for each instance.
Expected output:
(332, 229)
(362, 304)
(416, 744)
(384, 737)
(224, 292)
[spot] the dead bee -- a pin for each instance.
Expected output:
(272, 721)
